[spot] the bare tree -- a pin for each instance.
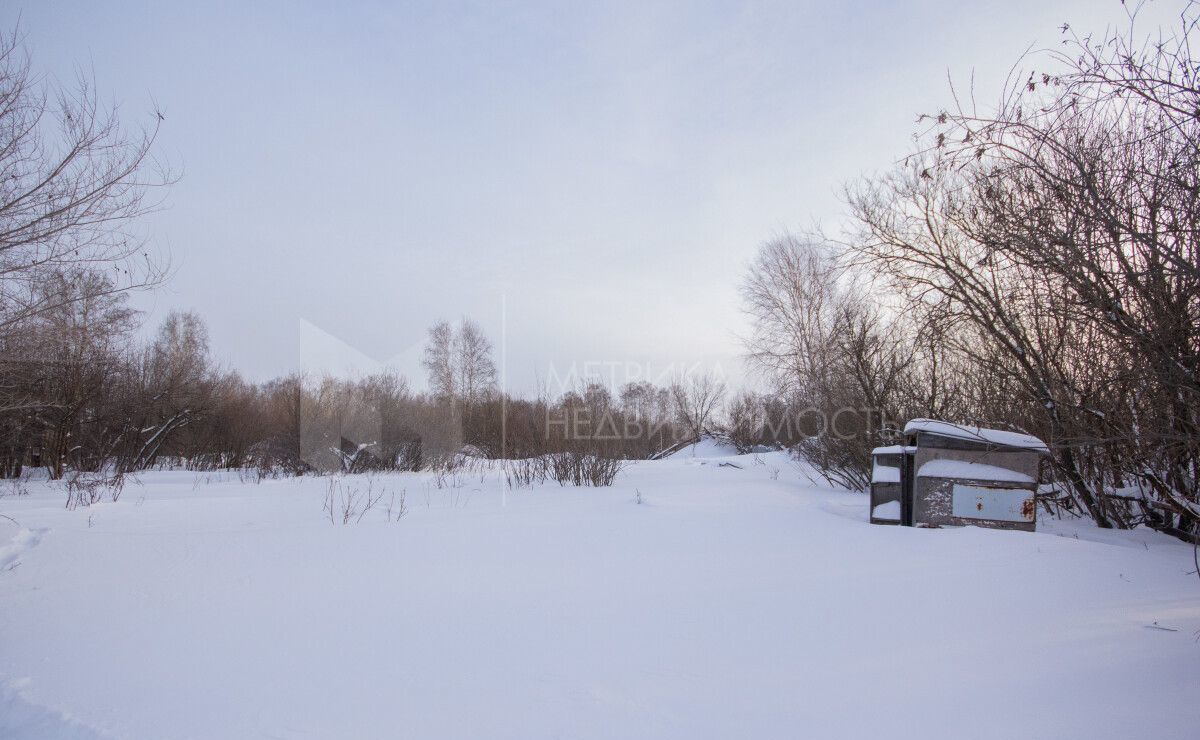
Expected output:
(58, 372)
(472, 361)
(840, 369)
(174, 387)
(794, 299)
(439, 361)
(79, 348)
(697, 396)
(746, 422)
(458, 360)
(72, 181)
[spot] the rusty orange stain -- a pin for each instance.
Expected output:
(1027, 509)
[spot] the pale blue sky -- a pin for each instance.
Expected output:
(368, 168)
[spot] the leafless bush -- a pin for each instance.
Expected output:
(85, 489)
(409, 455)
(274, 458)
(347, 502)
(397, 510)
(579, 468)
(525, 472)
(448, 471)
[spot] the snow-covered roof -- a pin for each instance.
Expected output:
(884, 474)
(998, 437)
(892, 450)
(971, 471)
(705, 446)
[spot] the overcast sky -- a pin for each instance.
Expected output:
(353, 172)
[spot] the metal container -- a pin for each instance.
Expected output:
(887, 464)
(962, 475)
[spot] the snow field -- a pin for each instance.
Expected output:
(740, 601)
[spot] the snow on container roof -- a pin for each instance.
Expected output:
(883, 474)
(892, 450)
(971, 471)
(997, 437)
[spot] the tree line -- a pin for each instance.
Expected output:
(1029, 265)
(80, 395)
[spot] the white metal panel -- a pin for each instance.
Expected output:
(998, 504)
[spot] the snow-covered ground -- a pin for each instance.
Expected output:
(732, 602)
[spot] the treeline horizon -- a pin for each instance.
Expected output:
(1031, 266)
(101, 404)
